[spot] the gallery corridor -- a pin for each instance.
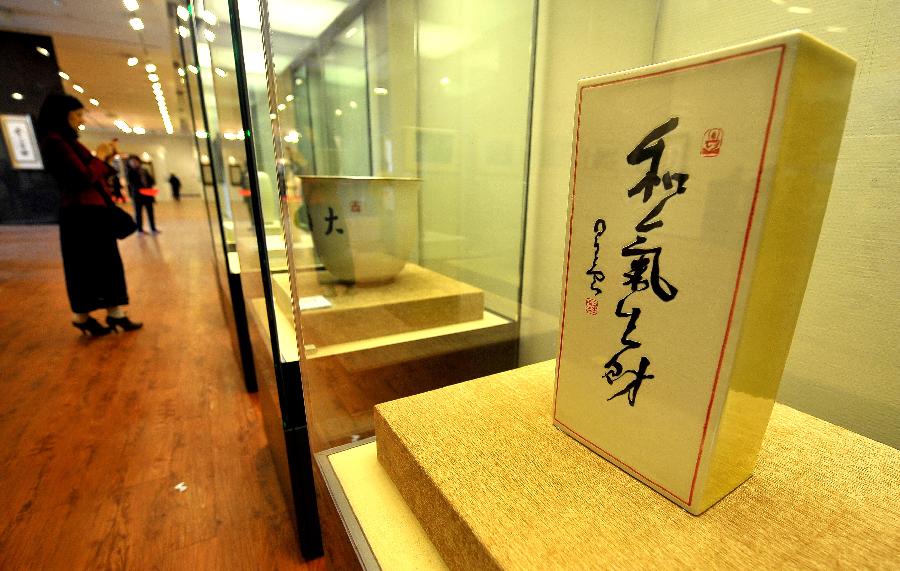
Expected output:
(140, 450)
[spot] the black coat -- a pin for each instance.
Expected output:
(139, 178)
(95, 277)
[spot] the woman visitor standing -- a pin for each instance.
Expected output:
(93, 269)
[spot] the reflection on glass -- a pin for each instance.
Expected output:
(203, 148)
(401, 154)
(390, 164)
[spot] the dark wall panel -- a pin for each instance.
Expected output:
(26, 196)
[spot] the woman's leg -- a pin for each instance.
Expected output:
(150, 215)
(116, 319)
(115, 311)
(139, 214)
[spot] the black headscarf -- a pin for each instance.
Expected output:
(54, 116)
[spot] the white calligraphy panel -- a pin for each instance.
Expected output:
(695, 228)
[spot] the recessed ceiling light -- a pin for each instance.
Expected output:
(181, 71)
(272, 115)
(18, 96)
(445, 81)
(77, 88)
(184, 32)
(289, 98)
(282, 106)
(193, 69)
(136, 24)
(132, 61)
(220, 72)
(208, 17)
(380, 91)
(139, 130)
(131, 5)
(799, 10)
(94, 102)
(298, 81)
(43, 51)
(150, 68)
(183, 13)
(353, 105)
(201, 134)
(64, 75)
(209, 35)
(81, 127)
(338, 112)
(153, 77)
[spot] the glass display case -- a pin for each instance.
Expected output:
(371, 199)
(400, 163)
(404, 182)
(214, 178)
(238, 131)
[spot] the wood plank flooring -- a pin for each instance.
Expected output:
(95, 434)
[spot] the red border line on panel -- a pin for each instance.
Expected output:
(737, 281)
(734, 296)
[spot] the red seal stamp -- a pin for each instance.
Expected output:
(712, 142)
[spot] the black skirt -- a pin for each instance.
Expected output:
(95, 277)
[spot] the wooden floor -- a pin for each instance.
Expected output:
(95, 434)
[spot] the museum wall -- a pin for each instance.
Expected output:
(26, 196)
(169, 153)
(843, 360)
(575, 40)
(473, 74)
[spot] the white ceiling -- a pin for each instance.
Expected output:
(93, 40)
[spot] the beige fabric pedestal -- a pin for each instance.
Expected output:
(416, 299)
(495, 485)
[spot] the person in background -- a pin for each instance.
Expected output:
(176, 186)
(108, 152)
(95, 277)
(138, 179)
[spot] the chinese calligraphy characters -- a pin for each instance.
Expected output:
(331, 219)
(644, 257)
(596, 274)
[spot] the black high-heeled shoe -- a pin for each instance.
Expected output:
(92, 327)
(122, 322)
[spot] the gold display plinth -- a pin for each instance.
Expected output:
(496, 486)
(416, 299)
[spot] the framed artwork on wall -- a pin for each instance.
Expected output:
(235, 175)
(206, 173)
(18, 134)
